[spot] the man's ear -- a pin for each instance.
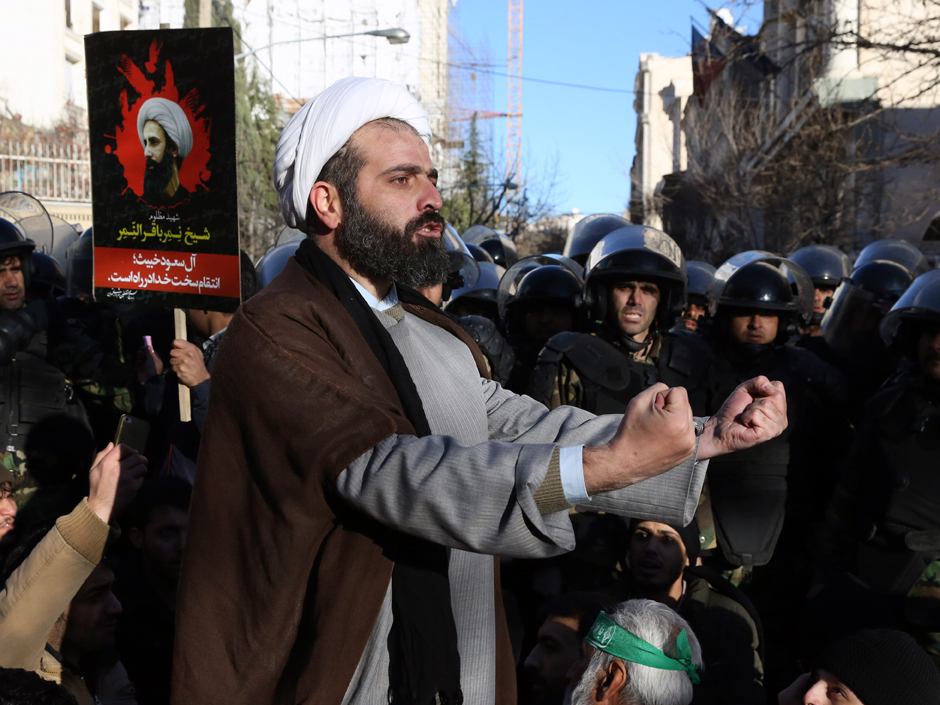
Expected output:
(324, 199)
(611, 683)
(136, 536)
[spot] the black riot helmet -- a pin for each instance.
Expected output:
(700, 276)
(551, 283)
(760, 286)
(464, 269)
(79, 266)
(502, 250)
(479, 299)
(636, 253)
(851, 324)
(14, 244)
(589, 231)
(538, 281)
(48, 277)
(900, 251)
(920, 304)
(761, 281)
(479, 254)
(886, 280)
(476, 234)
(826, 265)
(274, 260)
(31, 218)
(288, 234)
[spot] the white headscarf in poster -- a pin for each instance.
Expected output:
(171, 118)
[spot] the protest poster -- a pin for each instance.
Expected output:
(161, 115)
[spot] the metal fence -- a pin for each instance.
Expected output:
(56, 171)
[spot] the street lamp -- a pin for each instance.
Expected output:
(395, 35)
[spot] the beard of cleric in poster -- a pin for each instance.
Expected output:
(167, 137)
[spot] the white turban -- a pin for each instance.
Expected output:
(171, 118)
(324, 124)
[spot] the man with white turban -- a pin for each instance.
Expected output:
(358, 471)
(167, 137)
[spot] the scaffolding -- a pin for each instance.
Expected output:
(469, 96)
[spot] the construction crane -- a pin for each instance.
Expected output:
(514, 93)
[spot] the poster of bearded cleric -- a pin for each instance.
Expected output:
(161, 114)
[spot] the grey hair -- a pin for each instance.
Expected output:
(657, 624)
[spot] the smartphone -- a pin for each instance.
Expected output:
(132, 432)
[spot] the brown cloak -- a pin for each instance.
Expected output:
(282, 581)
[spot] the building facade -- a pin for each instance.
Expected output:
(824, 126)
(42, 55)
(662, 89)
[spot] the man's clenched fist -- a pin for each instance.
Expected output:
(755, 412)
(656, 434)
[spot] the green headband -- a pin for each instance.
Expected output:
(610, 637)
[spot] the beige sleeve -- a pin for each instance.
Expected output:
(38, 592)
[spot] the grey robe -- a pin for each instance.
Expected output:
(470, 487)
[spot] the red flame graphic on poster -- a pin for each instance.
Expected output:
(193, 170)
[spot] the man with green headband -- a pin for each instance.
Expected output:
(642, 653)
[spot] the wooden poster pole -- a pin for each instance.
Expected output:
(179, 317)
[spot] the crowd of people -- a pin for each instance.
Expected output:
(686, 483)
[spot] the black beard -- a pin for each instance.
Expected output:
(156, 177)
(381, 251)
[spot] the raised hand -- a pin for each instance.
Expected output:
(656, 434)
(115, 478)
(755, 412)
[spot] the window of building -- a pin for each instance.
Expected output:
(68, 13)
(69, 85)
(95, 18)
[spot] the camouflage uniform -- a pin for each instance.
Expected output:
(568, 389)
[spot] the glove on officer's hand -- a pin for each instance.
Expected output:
(755, 412)
(656, 434)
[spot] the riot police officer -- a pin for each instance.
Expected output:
(899, 251)
(501, 249)
(635, 286)
(763, 506)
(884, 521)
(589, 231)
(850, 337)
(478, 299)
(700, 276)
(538, 298)
(86, 343)
(47, 278)
(757, 300)
(32, 391)
(274, 260)
(479, 254)
(826, 266)
(464, 275)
